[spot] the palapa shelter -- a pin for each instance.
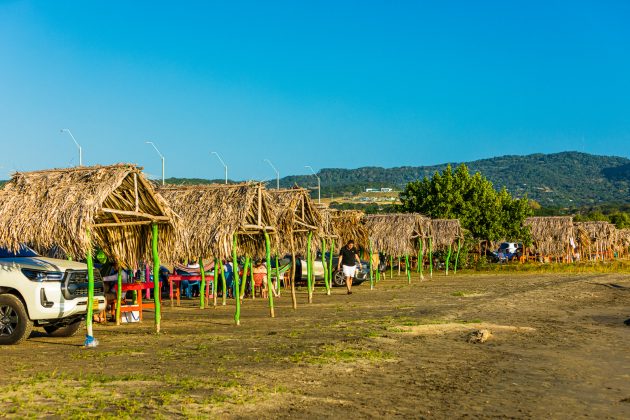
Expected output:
(444, 234)
(212, 214)
(397, 234)
(223, 221)
(596, 239)
(623, 242)
(112, 207)
(551, 235)
(348, 224)
(301, 225)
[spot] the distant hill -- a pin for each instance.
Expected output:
(559, 179)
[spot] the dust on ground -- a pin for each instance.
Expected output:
(558, 348)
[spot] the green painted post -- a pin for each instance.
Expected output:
(223, 283)
(269, 285)
(327, 275)
(156, 277)
(330, 262)
(431, 257)
(407, 269)
(278, 275)
(215, 279)
(244, 283)
(391, 266)
(457, 256)
(118, 295)
(448, 257)
(308, 268)
(89, 338)
(202, 287)
(371, 269)
(237, 300)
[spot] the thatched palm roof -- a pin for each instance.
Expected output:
(445, 232)
(623, 239)
(552, 234)
(397, 234)
(211, 214)
(348, 224)
(296, 216)
(598, 234)
(57, 207)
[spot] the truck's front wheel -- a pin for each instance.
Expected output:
(65, 331)
(15, 325)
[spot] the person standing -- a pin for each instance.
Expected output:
(348, 258)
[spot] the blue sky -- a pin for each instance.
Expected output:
(326, 84)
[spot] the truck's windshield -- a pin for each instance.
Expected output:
(24, 251)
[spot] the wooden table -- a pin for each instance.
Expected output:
(178, 278)
(139, 306)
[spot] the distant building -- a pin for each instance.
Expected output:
(376, 190)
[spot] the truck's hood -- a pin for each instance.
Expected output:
(43, 263)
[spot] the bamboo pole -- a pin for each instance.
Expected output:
(407, 269)
(371, 268)
(90, 341)
(269, 284)
(156, 277)
(459, 246)
(391, 266)
(202, 286)
(327, 275)
(421, 259)
(308, 268)
(237, 300)
(214, 282)
(448, 257)
(244, 284)
(431, 257)
(118, 295)
(251, 278)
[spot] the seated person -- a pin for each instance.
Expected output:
(190, 269)
(260, 276)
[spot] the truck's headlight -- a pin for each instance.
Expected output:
(37, 275)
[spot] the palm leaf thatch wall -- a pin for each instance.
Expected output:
(397, 234)
(296, 216)
(56, 208)
(212, 214)
(348, 224)
(623, 240)
(445, 232)
(601, 236)
(551, 235)
(325, 214)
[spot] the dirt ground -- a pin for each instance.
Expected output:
(559, 348)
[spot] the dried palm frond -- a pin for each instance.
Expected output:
(551, 234)
(398, 234)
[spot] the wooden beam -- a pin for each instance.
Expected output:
(299, 222)
(122, 224)
(135, 190)
(135, 214)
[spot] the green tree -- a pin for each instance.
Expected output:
(486, 213)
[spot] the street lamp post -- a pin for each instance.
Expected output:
(65, 130)
(277, 173)
(319, 187)
(161, 156)
(224, 165)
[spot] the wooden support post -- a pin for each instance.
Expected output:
(293, 268)
(237, 299)
(448, 257)
(278, 275)
(399, 263)
(431, 257)
(371, 268)
(421, 259)
(214, 282)
(244, 283)
(156, 277)
(330, 262)
(269, 284)
(89, 338)
(407, 269)
(391, 266)
(327, 275)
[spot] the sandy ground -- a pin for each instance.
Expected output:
(558, 349)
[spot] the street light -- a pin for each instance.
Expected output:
(319, 188)
(222, 163)
(161, 156)
(75, 142)
(277, 173)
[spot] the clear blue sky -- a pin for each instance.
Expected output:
(326, 84)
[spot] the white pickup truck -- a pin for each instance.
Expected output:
(43, 292)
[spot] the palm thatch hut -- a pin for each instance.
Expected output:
(596, 239)
(347, 225)
(302, 226)
(445, 232)
(113, 207)
(551, 235)
(398, 234)
(212, 214)
(623, 242)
